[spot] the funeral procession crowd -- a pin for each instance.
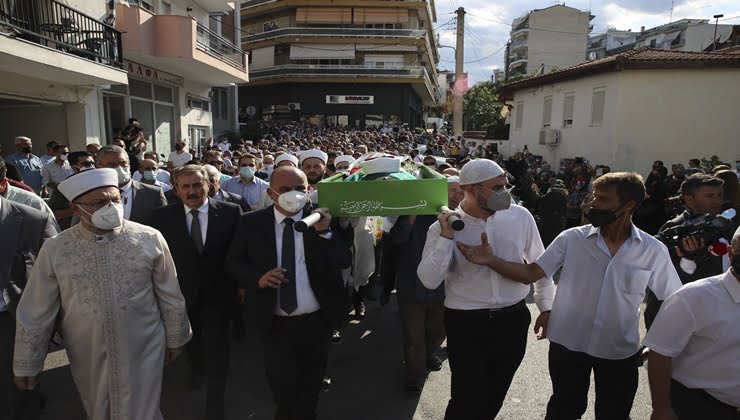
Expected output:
(132, 260)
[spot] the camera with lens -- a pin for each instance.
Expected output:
(707, 227)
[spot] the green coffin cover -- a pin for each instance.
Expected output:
(383, 197)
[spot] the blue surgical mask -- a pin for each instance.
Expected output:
(150, 175)
(247, 172)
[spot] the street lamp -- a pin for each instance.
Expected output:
(714, 40)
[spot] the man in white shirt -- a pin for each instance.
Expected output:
(179, 157)
(247, 185)
(162, 175)
(486, 317)
(694, 343)
(594, 324)
(148, 175)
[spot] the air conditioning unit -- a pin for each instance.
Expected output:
(549, 137)
(294, 106)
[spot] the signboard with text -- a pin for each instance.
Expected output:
(350, 99)
(141, 71)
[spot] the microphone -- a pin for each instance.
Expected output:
(718, 249)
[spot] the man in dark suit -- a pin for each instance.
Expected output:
(218, 194)
(23, 230)
(293, 290)
(199, 231)
(139, 200)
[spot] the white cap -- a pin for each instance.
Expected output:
(453, 179)
(83, 182)
(344, 158)
(286, 157)
(479, 170)
(313, 153)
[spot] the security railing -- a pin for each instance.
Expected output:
(55, 25)
(218, 46)
(336, 32)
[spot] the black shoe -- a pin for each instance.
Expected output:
(434, 363)
(326, 384)
(336, 337)
(414, 387)
(195, 381)
(360, 310)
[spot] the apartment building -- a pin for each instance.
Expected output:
(55, 59)
(359, 63)
(182, 63)
(684, 35)
(611, 42)
(547, 39)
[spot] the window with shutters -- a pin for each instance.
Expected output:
(547, 112)
(568, 103)
(519, 115)
(597, 106)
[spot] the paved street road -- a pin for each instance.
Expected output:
(368, 382)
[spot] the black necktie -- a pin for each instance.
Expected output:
(288, 300)
(195, 232)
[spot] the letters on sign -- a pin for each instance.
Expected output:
(154, 75)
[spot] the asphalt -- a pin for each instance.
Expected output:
(367, 374)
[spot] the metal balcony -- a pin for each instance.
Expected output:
(219, 47)
(518, 44)
(53, 24)
(336, 33)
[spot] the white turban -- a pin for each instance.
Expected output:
(286, 157)
(344, 158)
(313, 153)
(479, 170)
(86, 181)
(453, 179)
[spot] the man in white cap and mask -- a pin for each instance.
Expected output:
(486, 318)
(343, 162)
(286, 159)
(113, 285)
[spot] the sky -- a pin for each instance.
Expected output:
(488, 22)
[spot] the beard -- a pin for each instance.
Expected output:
(314, 179)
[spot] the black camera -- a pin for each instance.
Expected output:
(708, 227)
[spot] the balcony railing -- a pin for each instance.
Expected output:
(252, 3)
(519, 43)
(336, 32)
(218, 46)
(58, 26)
(519, 27)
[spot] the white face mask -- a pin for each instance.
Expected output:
(123, 174)
(63, 158)
(106, 218)
(293, 201)
(269, 167)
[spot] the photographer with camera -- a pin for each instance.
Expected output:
(701, 194)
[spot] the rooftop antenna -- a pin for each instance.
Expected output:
(670, 18)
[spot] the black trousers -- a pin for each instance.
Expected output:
(570, 372)
(7, 340)
(208, 353)
(697, 404)
(485, 350)
(423, 329)
(296, 352)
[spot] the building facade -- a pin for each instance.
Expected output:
(175, 53)
(544, 40)
(684, 35)
(630, 109)
(611, 42)
(357, 63)
(55, 60)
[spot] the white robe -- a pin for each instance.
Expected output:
(363, 253)
(120, 306)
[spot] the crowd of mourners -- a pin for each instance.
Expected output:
(213, 228)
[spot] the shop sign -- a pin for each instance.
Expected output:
(140, 71)
(350, 99)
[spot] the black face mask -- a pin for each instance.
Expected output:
(26, 150)
(602, 217)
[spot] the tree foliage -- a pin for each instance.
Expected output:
(482, 107)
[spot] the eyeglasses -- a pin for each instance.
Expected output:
(216, 162)
(99, 204)
(86, 165)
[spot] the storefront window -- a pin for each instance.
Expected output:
(373, 120)
(140, 89)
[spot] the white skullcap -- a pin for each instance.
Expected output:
(253, 150)
(85, 181)
(479, 170)
(313, 153)
(344, 158)
(453, 179)
(286, 157)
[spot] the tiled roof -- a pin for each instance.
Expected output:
(640, 58)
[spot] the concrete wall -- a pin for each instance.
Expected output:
(670, 115)
(595, 143)
(556, 49)
(42, 123)
(191, 116)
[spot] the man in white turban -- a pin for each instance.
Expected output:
(112, 284)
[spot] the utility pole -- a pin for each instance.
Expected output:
(714, 40)
(457, 103)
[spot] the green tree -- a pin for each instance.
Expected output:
(482, 107)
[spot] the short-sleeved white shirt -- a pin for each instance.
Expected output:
(179, 159)
(699, 328)
(597, 304)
